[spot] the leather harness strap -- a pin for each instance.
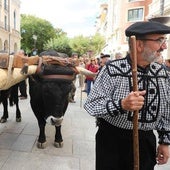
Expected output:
(56, 76)
(40, 61)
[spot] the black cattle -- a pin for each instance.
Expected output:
(49, 92)
(12, 95)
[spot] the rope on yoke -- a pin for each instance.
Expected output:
(10, 70)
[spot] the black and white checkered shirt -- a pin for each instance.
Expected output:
(114, 83)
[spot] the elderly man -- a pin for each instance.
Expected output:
(112, 102)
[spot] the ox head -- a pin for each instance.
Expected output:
(50, 89)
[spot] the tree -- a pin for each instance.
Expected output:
(39, 34)
(60, 32)
(35, 32)
(82, 45)
(98, 42)
(60, 44)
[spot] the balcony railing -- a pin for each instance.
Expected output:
(155, 7)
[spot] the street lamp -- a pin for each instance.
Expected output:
(35, 40)
(90, 52)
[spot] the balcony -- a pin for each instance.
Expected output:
(155, 8)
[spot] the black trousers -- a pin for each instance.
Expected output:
(23, 88)
(114, 148)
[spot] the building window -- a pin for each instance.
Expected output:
(14, 20)
(5, 22)
(135, 14)
(5, 5)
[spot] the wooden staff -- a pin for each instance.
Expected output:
(135, 113)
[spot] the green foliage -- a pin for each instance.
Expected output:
(59, 32)
(83, 45)
(98, 42)
(80, 44)
(60, 44)
(49, 37)
(33, 26)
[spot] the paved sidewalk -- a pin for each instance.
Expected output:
(18, 149)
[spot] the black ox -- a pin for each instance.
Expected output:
(49, 90)
(12, 95)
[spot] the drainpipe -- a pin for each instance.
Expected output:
(162, 7)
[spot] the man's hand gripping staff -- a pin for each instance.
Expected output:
(134, 102)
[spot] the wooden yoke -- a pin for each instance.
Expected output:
(19, 61)
(135, 113)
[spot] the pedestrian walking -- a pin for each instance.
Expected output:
(93, 67)
(112, 102)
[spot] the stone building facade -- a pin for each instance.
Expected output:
(119, 14)
(10, 25)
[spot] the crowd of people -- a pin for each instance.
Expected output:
(93, 64)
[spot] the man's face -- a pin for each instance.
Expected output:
(153, 46)
(104, 60)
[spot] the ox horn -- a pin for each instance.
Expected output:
(85, 72)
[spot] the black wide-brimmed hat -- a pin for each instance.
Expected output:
(147, 27)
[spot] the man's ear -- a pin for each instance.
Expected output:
(139, 45)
